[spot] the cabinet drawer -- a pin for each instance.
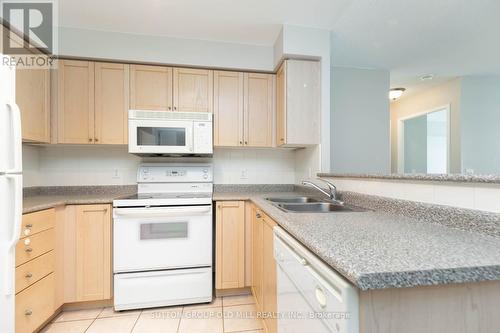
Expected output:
(35, 305)
(36, 222)
(34, 246)
(34, 270)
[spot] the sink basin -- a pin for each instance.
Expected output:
(293, 200)
(318, 207)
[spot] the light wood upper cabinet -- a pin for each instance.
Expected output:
(230, 245)
(193, 90)
(93, 252)
(243, 109)
(259, 109)
(111, 103)
(298, 103)
(33, 99)
(75, 105)
(228, 108)
(151, 87)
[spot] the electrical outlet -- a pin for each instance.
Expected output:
(116, 174)
(244, 174)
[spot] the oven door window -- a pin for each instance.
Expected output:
(170, 230)
(161, 136)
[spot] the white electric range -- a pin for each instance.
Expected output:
(162, 238)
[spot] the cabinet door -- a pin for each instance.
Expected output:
(33, 99)
(230, 245)
(259, 109)
(228, 109)
(281, 105)
(75, 104)
(111, 103)
(150, 87)
(193, 90)
(269, 290)
(257, 258)
(93, 252)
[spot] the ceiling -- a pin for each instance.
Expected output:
(410, 38)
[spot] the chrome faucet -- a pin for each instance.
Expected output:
(331, 194)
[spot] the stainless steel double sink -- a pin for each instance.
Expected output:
(311, 205)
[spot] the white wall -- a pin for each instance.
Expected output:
(480, 124)
(484, 197)
(112, 165)
(163, 50)
(360, 121)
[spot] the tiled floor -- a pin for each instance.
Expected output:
(227, 314)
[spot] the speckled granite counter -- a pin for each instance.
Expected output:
(377, 249)
(36, 199)
(455, 178)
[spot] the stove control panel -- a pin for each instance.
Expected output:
(174, 173)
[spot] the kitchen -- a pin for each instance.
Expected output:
(249, 175)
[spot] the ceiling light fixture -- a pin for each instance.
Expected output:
(395, 93)
(427, 77)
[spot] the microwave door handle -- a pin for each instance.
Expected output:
(161, 212)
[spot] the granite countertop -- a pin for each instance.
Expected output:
(455, 178)
(377, 250)
(36, 200)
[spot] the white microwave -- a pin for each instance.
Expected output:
(169, 133)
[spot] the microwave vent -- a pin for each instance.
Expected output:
(169, 115)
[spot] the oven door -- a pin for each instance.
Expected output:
(160, 137)
(162, 238)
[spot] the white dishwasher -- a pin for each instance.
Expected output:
(312, 297)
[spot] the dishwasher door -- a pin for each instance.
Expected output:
(311, 294)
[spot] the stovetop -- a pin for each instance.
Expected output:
(164, 199)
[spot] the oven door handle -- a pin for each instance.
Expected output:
(161, 212)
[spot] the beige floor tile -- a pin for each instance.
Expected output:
(238, 300)
(109, 312)
(78, 315)
(207, 320)
(122, 324)
(251, 331)
(217, 302)
(163, 309)
(161, 321)
(78, 326)
(241, 318)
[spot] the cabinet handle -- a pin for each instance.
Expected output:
(28, 249)
(28, 275)
(28, 312)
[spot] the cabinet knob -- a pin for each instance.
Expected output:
(241, 142)
(28, 249)
(169, 108)
(246, 142)
(29, 225)
(258, 216)
(90, 139)
(175, 108)
(28, 312)
(282, 140)
(28, 275)
(96, 140)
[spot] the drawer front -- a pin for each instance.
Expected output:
(36, 222)
(34, 270)
(31, 247)
(35, 305)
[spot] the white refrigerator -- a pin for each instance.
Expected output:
(11, 198)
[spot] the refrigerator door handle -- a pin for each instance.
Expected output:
(17, 138)
(16, 230)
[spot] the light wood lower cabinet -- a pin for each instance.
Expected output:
(35, 305)
(34, 281)
(93, 252)
(230, 245)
